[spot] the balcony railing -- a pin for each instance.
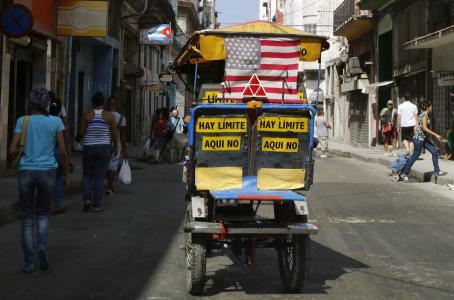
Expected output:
(347, 11)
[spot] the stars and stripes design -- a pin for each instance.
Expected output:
(273, 60)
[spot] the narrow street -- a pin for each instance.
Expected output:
(377, 240)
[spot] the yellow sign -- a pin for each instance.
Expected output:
(283, 124)
(82, 18)
(221, 143)
(272, 144)
(310, 50)
(301, 95)
(210, 98)
(221, 125)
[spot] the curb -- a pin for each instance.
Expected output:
(423, 176)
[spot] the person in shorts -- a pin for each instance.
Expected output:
(388, 117)
(120, 120)
(322, 126)
(407, 114)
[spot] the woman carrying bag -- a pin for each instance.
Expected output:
(38, 133)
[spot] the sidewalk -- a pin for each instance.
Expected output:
(9, 186)
(421, 170)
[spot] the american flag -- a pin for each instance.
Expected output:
(272, 59)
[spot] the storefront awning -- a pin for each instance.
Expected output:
(433, 40)
(371, 88)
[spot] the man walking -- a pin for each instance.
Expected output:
(322, 132)
(407, 114)
(120, 120)
(176, 136)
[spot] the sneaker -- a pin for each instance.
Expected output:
(43, 259)
(28, 267)
(109, 192)
(404, 178)
(86, 207)
(323, 156)
(58, 210)
(97, 209)
(441, 173)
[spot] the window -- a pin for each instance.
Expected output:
(310, 28)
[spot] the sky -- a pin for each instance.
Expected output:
(237, 11)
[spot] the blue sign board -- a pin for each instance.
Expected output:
(16, 21)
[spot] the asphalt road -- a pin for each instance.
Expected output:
(377, 240)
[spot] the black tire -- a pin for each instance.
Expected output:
(293, 250)
(294, 261)
(196, 254)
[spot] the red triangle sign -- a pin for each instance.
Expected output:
(254, 88)
(254, 80)
(261, 92)
(248, 92)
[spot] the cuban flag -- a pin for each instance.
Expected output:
(158, 35)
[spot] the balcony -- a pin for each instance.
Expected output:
(352, 22)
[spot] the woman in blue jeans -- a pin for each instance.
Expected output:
(98, 131)
(421, 140)
(37, 174)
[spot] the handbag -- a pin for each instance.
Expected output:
(388, 128)
(17, 157)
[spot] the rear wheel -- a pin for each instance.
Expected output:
(196, 253)
(293, 251)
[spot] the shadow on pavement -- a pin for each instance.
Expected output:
(327, 265)
(111, 255)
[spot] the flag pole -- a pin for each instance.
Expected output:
(195, 74)
(318, 81)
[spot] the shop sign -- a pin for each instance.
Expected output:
(446, 79)
(82, 18)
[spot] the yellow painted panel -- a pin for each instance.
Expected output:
(273, 144)
(210, 98)
(280, 179)
(283, 124)
(310, 50)
(210, 125)
(212, 47)
(221, 143)
(219, 178)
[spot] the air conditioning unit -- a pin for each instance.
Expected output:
(354, 65)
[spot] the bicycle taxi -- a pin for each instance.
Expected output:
(251, 138)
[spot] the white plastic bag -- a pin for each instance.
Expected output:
(125, 173)
(147, 146)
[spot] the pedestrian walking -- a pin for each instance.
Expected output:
(388, 118)
(422, 140)
(322, 132)
(55, 108)
(120, 121)
(37, 174)
(178, 139)
(160, 129)
(98, 131)
(407, 114)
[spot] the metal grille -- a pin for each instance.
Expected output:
(359, 124)
(440, 99)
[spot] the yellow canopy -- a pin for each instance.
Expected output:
(208, 45)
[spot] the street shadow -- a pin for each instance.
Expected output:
(111, 255)
(326, 265)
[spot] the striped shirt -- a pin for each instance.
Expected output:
(98, 131)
